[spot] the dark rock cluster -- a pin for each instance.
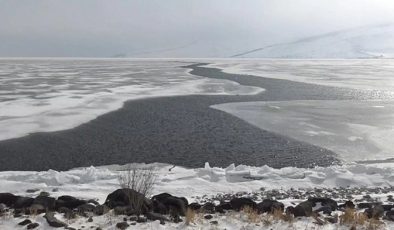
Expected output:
(165, 207)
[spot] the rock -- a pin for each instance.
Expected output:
(25, 222)
(332, 219)
(303, 209)
(84, 208)
(224, 206)
(142, 219)
(32, 226)
(325, 202)
(208, 208)
(376, 212)
(90, 219)
(269, 206)
(347, 204)
(156, 216)
(43, 193)
(214, 222)
(173, 205)
(194, 206)
(159, 207)
(23, 202)
(124, 210)
(128, 197)
(100, 210)
(32, 190)
(52, 221)
(208, 217)
(8, 199)
(68, 202)
(390, 215)
(325, 209)
(133, 218)
(388, 207)
(366, 205)
(49, 203)
(239, 203)
(68, 213)
(122, 225)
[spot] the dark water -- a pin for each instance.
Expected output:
(178, 130)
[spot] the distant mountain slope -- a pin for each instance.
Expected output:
(365, 42)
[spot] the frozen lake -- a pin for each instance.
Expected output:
(42, 95)
(288, 113)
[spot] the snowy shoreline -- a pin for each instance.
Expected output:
(367, 185)
(96, 182)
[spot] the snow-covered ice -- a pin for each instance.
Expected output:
(355, 130)
(39, 95)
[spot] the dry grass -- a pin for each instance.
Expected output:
(277, 214)
(190, 216)
(252, 214)
(353, 218)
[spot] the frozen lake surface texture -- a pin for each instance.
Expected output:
(357, 130)
(45, 95)
(51, 95)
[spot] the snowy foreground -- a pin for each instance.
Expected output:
(201, 184)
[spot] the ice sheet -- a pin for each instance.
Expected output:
(39, 95)
(356, 130)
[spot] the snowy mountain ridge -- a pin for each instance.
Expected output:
(363, 42)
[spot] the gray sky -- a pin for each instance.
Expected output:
(193, 28)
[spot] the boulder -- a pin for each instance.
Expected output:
(156, 216)
(208, 208)
(100, 210)
(239, 203)
(122, 225)
(68, 202)
(24, 222)
(32, 226)
(168, 204)
(347, 204)
(124, 210)
(366, 205)
(323, 202)
(129, 197)
(84, 208)
(49, 203)
(23, 202)
(268, 205)
(302, 209)
(8, 199)
(53, 221)
(194, 206)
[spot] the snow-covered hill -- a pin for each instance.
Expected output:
(363, 42)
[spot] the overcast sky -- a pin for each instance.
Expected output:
(103, 28)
